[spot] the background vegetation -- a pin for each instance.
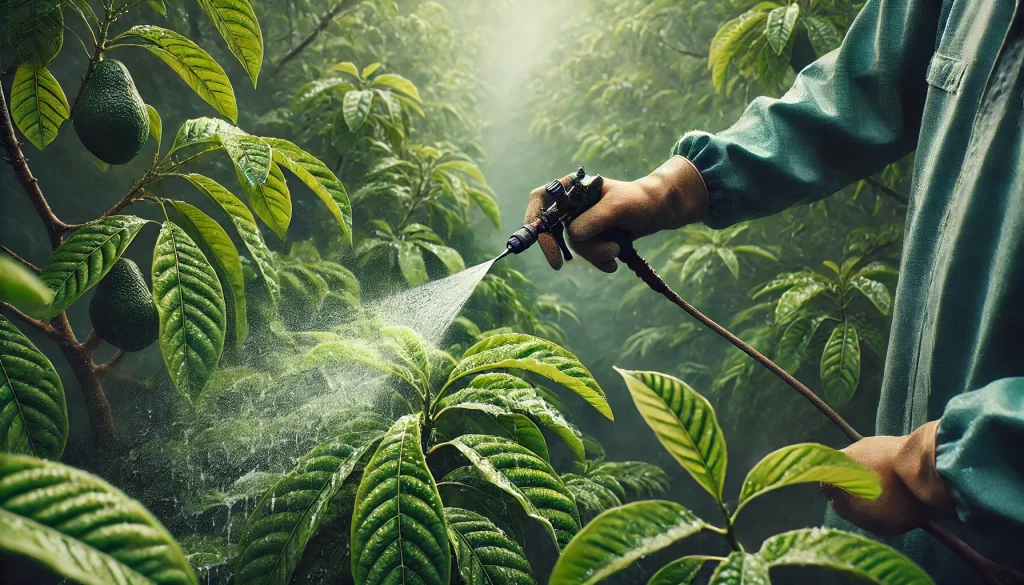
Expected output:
(439, 118)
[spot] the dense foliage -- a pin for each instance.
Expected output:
(276, 167)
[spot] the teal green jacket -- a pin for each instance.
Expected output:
(944, 78)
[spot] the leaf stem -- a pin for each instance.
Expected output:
(39, 324)
(11, 253)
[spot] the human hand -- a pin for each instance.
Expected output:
(671, 197)
(913, 492)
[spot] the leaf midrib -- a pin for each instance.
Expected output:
(21, 414)
(64, 282)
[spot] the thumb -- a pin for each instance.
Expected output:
(595, 220)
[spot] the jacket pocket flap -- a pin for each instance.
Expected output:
(945, 72)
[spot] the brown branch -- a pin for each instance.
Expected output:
(685, 52)
(898, 196)
(119, 377)
(92, 341)
(105, 368)
(39, 324)
(11, 253)
(325, 21)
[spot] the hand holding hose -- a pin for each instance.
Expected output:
(670, 197)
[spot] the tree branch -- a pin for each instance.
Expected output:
(11, 253)
(325, 21)
(39, 324)
(105, 368)
(898, 196)
(686, 52)
(92, 341)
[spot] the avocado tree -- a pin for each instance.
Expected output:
(198, 296)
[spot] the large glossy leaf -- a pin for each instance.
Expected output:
(741, 568)
(822, 33)
(252, 158)
(780, 25)
(487, 205)
(356, 108)
(875, 292)
(410, 261)
(271, 200)
(33, 411)
(620, 536)
(796, 298)
(83, 528)
(397, 83)
(317, 177)
(526, 477)
(156, 126)
(685, 424)
(218, 247)
(245, 226)
(194, 65)
(398, 527)
(450, 257)
(681, 571)
(23, 288)
(730, 260)
(38, 104)
(34, 28)
(840, 364)
(86, 257)
(795, 341)
(808, 462)
(288, 515)
(484, 554)
(236, 22)
(190, 302)
(517, 395)
(843, 551)
(532, 354)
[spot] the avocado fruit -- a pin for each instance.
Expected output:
(110, 117)
(122, 310)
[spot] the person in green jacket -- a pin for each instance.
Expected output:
(944, 78)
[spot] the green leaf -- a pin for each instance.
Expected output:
(726, 43)
(804, 463)
(780, 25)
(450, 257)
(877, 269)
(369, 70)
(796, 298)
(245, 226)
(217, 245)
(525, 432)
(356, 108)
(484, 554)
(202, 131)
(398, 525)
(731, 262)
(22, 288)
(155, 125)
(82, 528)
(845, 552)
(533, 354)
(487, 205)
(86, 257)
(33, 410)
(313, 89)
(349, 68)
(190, 302)
(592, 498)
(271, 200)
(685, 424)
(681, 571)
(317, 177)
(526, 477)
(824, 35)
(410, 261)
(397, 83)
(194, 65)
(755, 251)
(236, 22)
(518, 395)
(875, 292)
(464, 167)
(35, 29)
(38, 105)
(741, 568)
(795, 341)
(286, 518)
(840, 364)
(620, 536)
(252, 158)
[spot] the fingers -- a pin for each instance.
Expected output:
(552, 253)
(539, 201)
(595, 220)
(600, 253)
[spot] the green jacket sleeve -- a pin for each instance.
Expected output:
(980, 452)
(848, 115)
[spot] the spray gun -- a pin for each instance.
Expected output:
(583, 193)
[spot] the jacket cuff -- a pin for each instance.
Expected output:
(710, 162)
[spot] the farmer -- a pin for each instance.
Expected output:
(944, 78)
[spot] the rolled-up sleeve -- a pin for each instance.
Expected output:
(980, 452)
(847, 115)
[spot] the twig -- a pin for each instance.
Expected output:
(898, 196)
(325, 21)
(92, 341)
(686, 52)
(43, 326)
(104, 368)
(11, 253)
(119, 377)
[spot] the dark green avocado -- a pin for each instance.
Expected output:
(122, 310)
(110, 117)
